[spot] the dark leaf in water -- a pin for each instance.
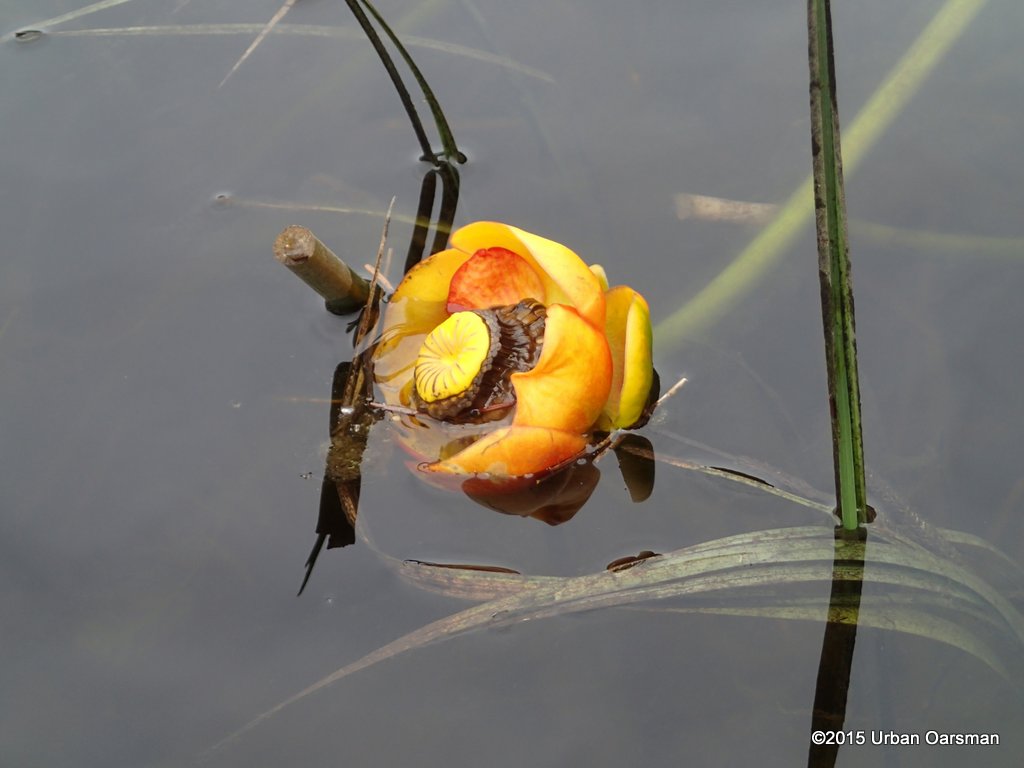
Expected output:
(748, 476)
(467, 567)
(624, 563)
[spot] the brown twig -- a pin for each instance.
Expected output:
(671, 391)
(343, 289)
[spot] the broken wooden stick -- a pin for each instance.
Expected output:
(302, 252)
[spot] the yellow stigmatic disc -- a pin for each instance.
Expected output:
(451, 357)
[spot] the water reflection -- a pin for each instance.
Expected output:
(836, 663)
(449, 177)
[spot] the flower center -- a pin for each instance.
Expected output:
(451, 357)
(463, 372)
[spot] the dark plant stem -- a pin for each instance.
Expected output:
(451, 151)
(396, 79)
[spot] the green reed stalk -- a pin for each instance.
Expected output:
(834, 272)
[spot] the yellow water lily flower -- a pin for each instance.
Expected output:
(512, 352)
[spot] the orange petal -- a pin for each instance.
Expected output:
(513, 451)
(494, 277)
(566, 279)
(628, 330)
(429, 280)
(569, 386)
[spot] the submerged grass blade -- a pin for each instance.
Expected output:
(834, 271)
(242, 202)
(940, 243)
(916, 616)
(733, 476)
(968, 614)
(928, 242)
(304, 30)
(259, 38)
(719, 296)
(85, 11)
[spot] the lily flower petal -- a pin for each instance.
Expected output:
(569, 386)
(494, 277)
(566, 278)
(417, 306)
(513, 452)
(429, 279)
(630, 340)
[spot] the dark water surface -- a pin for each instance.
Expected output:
(163, 381)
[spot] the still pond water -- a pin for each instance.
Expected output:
(165, 383)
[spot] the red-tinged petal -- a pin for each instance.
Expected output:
(513, 451)
(494, 277)
(566, 279)
(569, 386)
(628, 330)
